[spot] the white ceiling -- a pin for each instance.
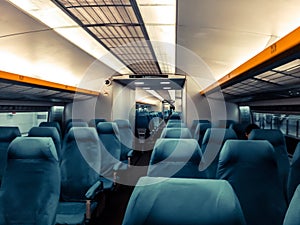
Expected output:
(227, 33)
(223, 33)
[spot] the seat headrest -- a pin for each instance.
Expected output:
(296, 157)
(123, 123)
(183, 201)
(174, 121)
(94, 122)
(176, 133)
(50, 124)
(218, 135)
(202, 127)
(176, 125)
(175, 116)
(250, 151)
(8, 134)
(176, 150)
(74, 120)
(32, 148)
(44, 132)
(107, 128)
(275, 137)
(82, 134)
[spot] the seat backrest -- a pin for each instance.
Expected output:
(142, 122)
(176, 125)
(109, 136)
(80, 162)
(252, 170)
(276, 138)
(31, 183)
(52, 124)
(175, 116)
(294, 174)
(292, 216)
(195, 124)
(75, 124)
(224, 123)
(126, 137)
(176, 158)
(212, 143)
(47, 132)
(7, 135)
(240, 130)
(176, 133)
(200, 131)
(94, 122)
(176, 201)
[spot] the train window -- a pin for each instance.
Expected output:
(244, 114)
(24, 120)
(288, 124)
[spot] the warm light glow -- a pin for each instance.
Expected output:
(36, 69)
(160, 20)
(51, 15)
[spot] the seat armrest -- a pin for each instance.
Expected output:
(118, 166)
(130, 153)
(94, 190)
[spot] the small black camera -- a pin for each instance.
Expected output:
(107, 82)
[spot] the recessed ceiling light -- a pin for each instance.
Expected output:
(165, 82)
(146, 88)
(166, 88)
(139, 83)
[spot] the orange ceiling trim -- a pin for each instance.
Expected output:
(287, 42)
(48, 84)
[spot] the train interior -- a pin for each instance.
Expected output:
(146, 78)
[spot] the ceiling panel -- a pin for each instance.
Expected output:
(280, 82)
(116, 24)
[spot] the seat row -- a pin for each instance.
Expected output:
(250, 167)
(259, 166)
(86, 161)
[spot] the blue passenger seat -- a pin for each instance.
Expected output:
(200, 132)
(75, 124)
(7, 135)
(212, 143)
(31, 183)
(126, 139)
(240, 130)
(109, 136)
(276, 138)
(292, 216)
(47, 132)
(294, 174)
(178, 201)
(80, 179)
(94, 122)
(52, 124)
(176, 158)
(176, 133)
(176, 125)
(251, 168)
(195, 124)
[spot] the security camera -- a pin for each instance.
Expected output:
(107, 82)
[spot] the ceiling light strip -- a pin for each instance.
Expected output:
(130, 71)
(144, 30)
